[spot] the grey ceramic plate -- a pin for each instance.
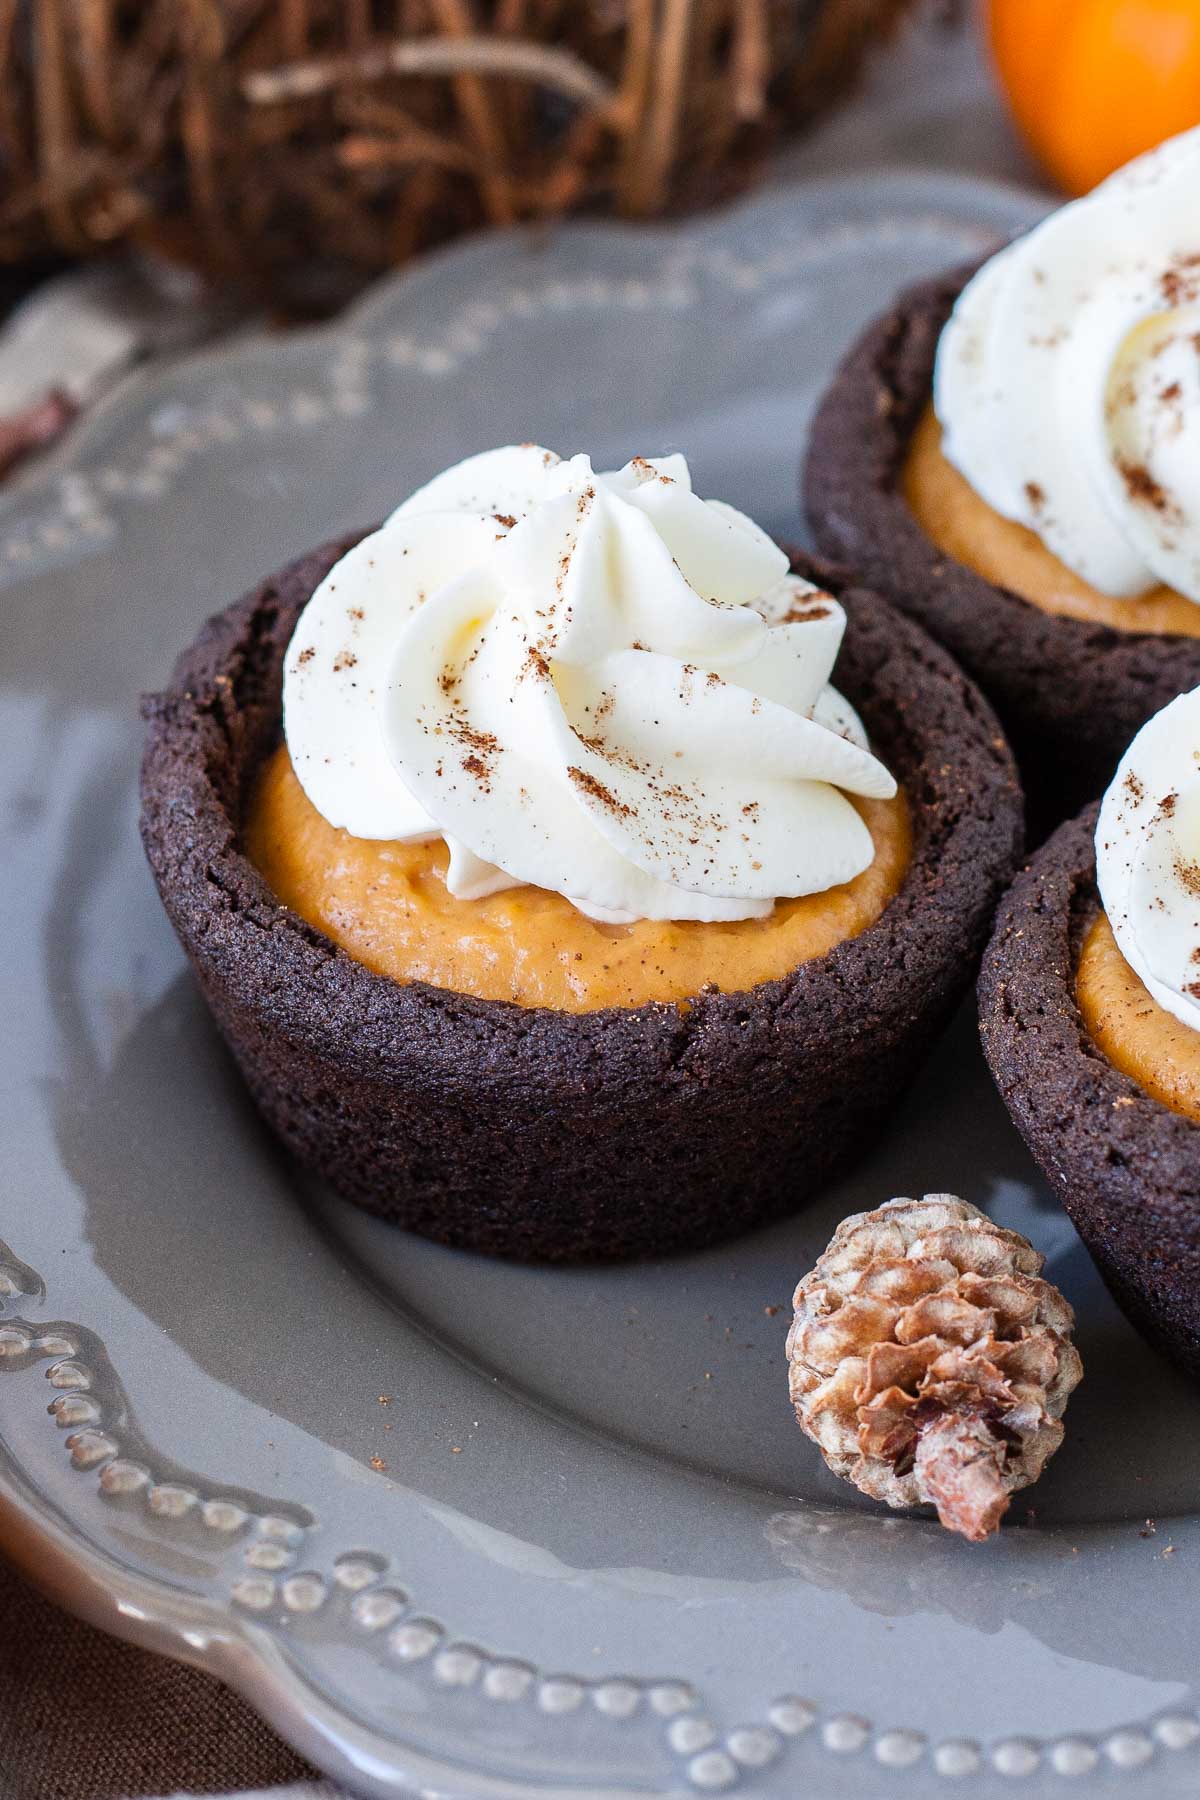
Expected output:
(461, 1529)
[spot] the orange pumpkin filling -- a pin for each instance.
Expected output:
(1136, 1034)
(387, 906)
(949, 511)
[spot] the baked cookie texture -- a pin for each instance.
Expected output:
(1071, 695)
(1126, 1168)
(541, 1134)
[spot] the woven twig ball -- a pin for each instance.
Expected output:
(301, 145)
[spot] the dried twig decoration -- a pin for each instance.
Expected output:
(301, 145)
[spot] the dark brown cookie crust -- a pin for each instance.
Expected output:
(1070, 695)
(1126, 1168)
(540, 1134)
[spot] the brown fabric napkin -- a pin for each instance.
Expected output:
(85, 1717)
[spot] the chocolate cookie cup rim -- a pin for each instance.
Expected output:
(212, 727)
(1028, 974)
(1069, 668)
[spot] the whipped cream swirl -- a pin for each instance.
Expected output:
(598, 684)
(1068, 378)
(1148, 857)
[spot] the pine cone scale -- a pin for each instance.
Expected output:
(897, 1365)
(946, 1316)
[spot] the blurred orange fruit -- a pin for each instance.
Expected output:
(1092, 83)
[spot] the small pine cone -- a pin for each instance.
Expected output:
(928, 1361)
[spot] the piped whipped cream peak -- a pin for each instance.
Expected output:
(598, 684)
(1148, 857)
(1068, 378)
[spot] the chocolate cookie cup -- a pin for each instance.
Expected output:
(1071, 694)
(1126, 1167)
(542, 1134)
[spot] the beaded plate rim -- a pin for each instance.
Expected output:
(197, 1629)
